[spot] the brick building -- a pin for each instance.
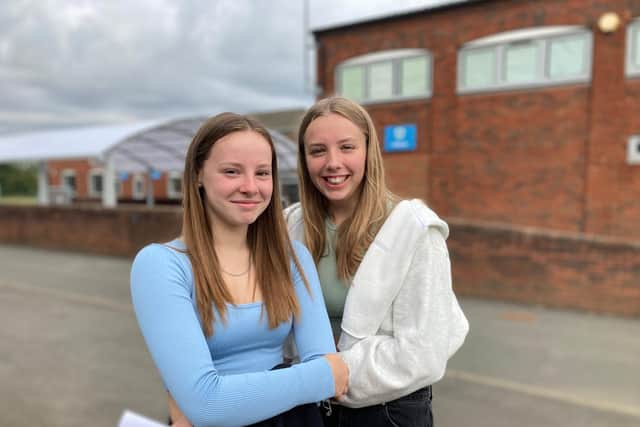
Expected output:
(519, 122)
(524, 110)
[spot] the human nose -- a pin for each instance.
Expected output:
(249, 185)
(333, 160)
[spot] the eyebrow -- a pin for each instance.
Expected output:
(240, 165)
(340, 141)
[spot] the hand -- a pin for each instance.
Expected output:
(340, 372)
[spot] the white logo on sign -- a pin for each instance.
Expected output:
(399, 132)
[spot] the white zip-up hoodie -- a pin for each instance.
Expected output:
(401, 321)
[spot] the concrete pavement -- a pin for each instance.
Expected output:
(71, 355)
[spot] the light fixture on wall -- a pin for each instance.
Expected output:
(609, 22)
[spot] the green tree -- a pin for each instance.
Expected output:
(18, 180)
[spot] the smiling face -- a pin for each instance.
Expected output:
(335, 154)
(237, 179)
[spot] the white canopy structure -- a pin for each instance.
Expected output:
(140, 147)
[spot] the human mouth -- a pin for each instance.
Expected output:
(336, 180)
(246, 203)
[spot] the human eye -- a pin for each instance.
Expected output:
(265, 173)
(230, 171)
(315, 150)
(348, 147)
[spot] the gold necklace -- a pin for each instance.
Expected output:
(237, 274)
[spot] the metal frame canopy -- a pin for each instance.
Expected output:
(155, 146)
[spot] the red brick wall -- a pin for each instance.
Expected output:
(536, 266)
(489, 260)
(552, 157)
(122, 231)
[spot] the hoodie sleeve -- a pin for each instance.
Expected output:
(428, 328)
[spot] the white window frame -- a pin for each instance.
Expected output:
(92, 191)
(632, 68)
(63, 175)
(170, 192)
(138, 195)
(540, 36)
(395, 57)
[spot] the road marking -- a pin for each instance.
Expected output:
(545, 392)
(69, 296)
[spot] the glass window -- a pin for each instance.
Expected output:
(521, 62)
(567, 56)
(174, 183)
(138, 186)
(69, 182)
(414, 76)
(96, 183)
(380, 83)
(636, 46)
(479, 68)
(386, 75)
(352, 82)
(527, 57)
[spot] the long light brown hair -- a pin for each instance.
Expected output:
(267, 237)
(375, 201)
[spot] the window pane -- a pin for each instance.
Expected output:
(97, 183)
(567, 56)
(352, 82)
(70, 182)
(636, 45)
(520, 62)
(479, 68)
(175, 185)
(381, 81)
(415, 76)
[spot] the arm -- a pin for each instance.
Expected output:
(311, 329)
(171, 328)
(428, 327)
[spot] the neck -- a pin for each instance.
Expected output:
(229, 238)
(340, 211)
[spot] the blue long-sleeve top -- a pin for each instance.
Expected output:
(225, 379)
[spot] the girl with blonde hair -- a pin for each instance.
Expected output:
(216, 304)
(384, 270)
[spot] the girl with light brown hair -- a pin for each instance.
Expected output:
(384, 270)
(216, 304)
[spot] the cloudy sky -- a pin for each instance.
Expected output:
(70, 62)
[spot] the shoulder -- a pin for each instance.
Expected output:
(416, 214)
(295, 221)
(160, 251)
(162, 258)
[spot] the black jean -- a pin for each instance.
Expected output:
(413, 410)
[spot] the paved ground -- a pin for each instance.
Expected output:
(71, 355)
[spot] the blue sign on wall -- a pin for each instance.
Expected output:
(155, 175)
(400, 137)
(123, 176)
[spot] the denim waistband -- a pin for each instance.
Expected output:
(424, 393)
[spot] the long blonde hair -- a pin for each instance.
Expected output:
(357, 232)
(267, 237)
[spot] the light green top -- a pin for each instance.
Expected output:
(334, 290)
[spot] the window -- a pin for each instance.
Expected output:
(95, 183)
(525, 58)
(137, 186)
(69, 182)
(386, 76)
(633, 48)
(174, 185)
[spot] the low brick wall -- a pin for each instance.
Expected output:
(535, 266)
(490, 260)
(121, 231)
